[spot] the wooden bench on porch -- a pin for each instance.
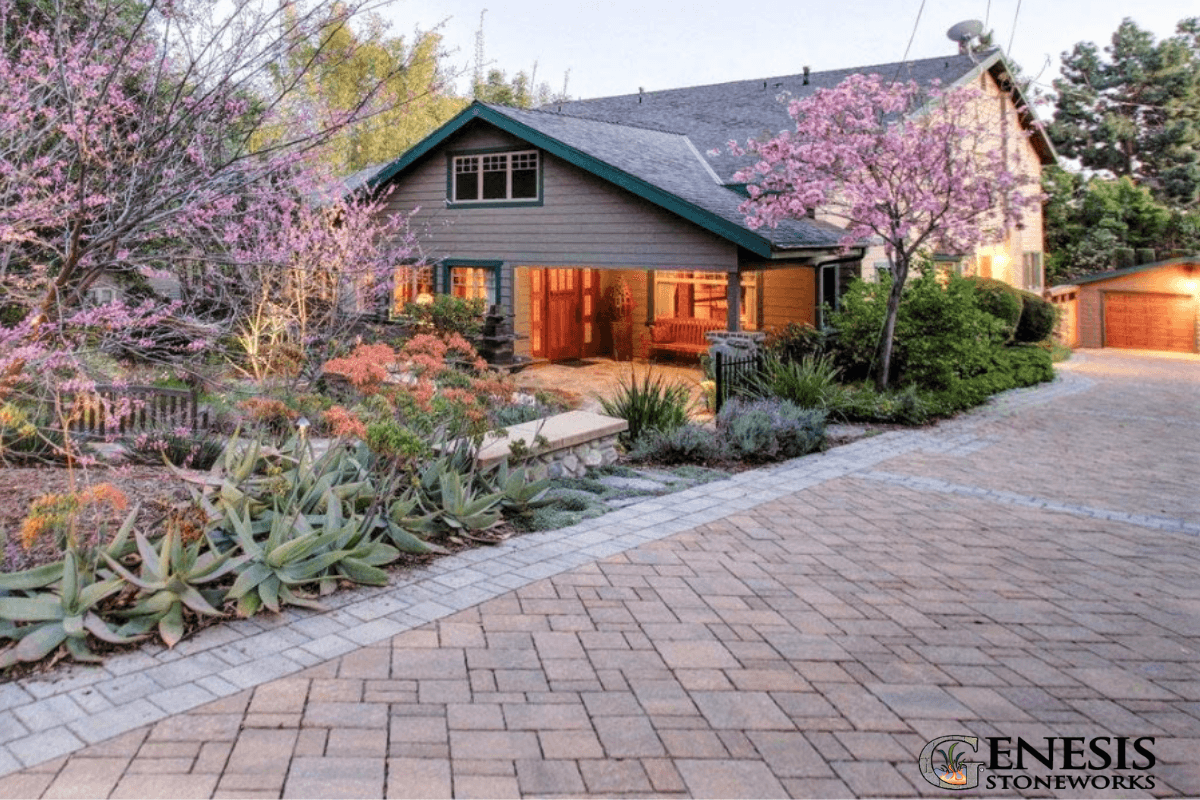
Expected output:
(682, 334)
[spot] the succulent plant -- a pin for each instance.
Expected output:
(170, 577)
(52, 619)
(521, 493)
(461, 509)
(292, 555)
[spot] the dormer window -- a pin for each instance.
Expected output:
(495, 177)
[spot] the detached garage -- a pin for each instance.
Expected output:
(1148, 307)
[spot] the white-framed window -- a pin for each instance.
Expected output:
(1031, 270)
(495, 177)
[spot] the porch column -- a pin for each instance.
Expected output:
(733, 301)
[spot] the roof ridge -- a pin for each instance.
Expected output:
(501, 109)
(981, 55)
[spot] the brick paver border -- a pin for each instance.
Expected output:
(46, 717)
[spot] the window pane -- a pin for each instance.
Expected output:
(495, 186)
(473, 283)
(524, 184)
(413, 284)
(466, 178)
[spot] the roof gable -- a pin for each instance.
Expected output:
(669, 147)
(663, 168)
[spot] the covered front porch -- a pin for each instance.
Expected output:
(566, 313)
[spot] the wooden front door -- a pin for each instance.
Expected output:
(565, 302)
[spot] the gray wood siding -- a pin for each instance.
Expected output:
(583, 221)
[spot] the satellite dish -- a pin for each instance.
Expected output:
(964, 33)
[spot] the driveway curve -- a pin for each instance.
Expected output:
(1028, 570)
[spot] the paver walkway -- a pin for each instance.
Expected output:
(1032, 570)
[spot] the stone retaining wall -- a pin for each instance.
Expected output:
(563, 445)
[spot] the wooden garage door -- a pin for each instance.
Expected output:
(1147, 321)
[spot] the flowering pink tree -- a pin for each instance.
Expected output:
(131, 133)
(304, 272)
(163, 137)
(917, 169)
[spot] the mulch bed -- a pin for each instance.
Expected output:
(156, 489)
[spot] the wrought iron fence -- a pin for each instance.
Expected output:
(735, 373)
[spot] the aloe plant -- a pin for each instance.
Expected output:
(362, 555)
(171, 577)
(68, 616)
(292, 555)
(461, 509)
(521, 493)
(407, 528)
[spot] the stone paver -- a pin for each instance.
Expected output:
(1026, 570)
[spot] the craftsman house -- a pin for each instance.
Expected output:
(543, 210)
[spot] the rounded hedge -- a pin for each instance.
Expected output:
(1038, 317)
(1000, 300)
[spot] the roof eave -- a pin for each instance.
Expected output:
(1029, 118)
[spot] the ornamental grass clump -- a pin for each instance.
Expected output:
(649, 404)
(809, 382)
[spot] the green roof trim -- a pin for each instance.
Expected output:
(601, 169)
(1182, 261)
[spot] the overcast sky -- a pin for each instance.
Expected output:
(615, 46)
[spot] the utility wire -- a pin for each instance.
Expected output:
(1013, 32)
(910, 41)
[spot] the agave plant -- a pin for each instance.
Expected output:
(52, 619)
(520, 492)
(292, 555)
(171, 578)
(461, 509)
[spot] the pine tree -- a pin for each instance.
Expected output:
(1134, 110)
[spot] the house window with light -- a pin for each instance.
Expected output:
(473, 283)
(488, 178)
(414, 284)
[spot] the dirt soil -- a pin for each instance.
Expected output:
(156, 489)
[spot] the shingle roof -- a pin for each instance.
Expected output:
(669, 161)
(658, 144)
(712, 115)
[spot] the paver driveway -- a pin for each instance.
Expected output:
(1032, 570)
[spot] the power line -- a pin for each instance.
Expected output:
(910, 41)
(1013, 32)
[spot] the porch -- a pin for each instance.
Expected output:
(565, 313)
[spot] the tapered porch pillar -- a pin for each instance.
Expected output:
(733, 301)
